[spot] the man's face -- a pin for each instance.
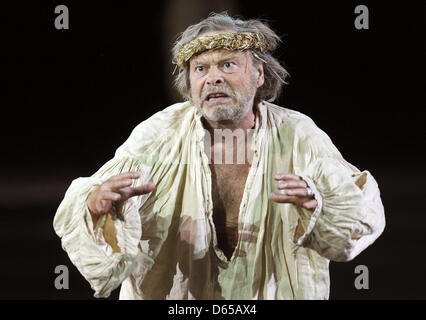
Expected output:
(224, 84)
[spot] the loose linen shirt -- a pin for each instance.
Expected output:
(165, 245)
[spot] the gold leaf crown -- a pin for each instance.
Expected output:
(228, 41)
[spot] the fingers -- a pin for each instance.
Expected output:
(281, 198)
(287, 176)
(113, 196)
(303, 202)
(299, 192)
(129, 192)
(143, 189)
(117, 182)
(293, 190)
(116, 185)
(289, 184)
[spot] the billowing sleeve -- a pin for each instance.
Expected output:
(350, 214)
(104, 256)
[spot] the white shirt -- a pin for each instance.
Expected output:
(166, 246)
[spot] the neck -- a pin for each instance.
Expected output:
(245, 123)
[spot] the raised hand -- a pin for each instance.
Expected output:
(293, 190)
(115, 191)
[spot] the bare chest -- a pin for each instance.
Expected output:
(228, 183)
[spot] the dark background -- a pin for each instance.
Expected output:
(71, 97)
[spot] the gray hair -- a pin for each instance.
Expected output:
(275, 74)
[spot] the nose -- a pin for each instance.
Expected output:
(214, 77)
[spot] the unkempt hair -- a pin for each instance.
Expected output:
(275, 74)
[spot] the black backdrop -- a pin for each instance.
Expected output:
(71, 97)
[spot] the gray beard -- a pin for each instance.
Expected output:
(226, 113)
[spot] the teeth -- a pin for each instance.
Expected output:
(216, 95)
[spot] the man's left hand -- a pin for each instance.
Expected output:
(293, 190)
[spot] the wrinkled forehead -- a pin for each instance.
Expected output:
(217, 55)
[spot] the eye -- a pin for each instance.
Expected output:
(229, 67)
(199, 68)
(228, 64)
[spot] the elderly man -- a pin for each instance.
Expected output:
(167, 218)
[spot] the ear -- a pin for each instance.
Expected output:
(260, 75)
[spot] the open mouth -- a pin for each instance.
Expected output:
(216, 97)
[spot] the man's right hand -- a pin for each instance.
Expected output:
(115, 190)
